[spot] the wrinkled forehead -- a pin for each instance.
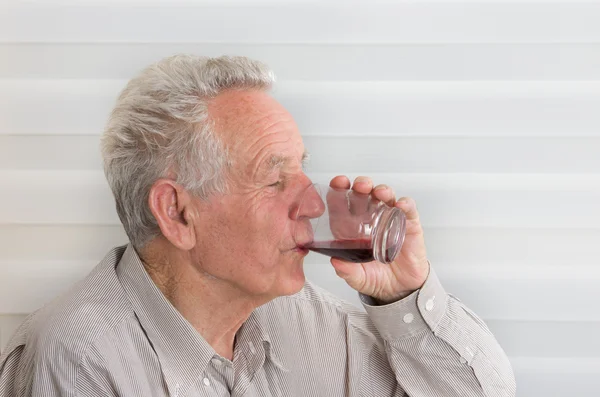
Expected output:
(256, 129)
(238, 114)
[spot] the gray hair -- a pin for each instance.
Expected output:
(160, 126)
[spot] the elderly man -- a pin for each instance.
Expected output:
(209, 298)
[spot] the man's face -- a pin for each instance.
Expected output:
(246, 237)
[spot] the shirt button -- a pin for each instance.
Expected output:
(206, 382)
(408, 318)
(252, 349)
(216, 362)
(430, 304)
(463, 360)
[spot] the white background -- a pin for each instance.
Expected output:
(488, 113)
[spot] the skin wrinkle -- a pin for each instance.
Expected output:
(273, 122)
(258, 142)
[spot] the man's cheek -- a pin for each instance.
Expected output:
(265, 203)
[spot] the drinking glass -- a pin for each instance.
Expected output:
(348, 225)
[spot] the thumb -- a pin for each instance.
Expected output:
(350, 272)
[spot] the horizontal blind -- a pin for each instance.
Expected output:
(485, 112)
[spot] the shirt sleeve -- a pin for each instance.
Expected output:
(436, 346)
(51, 371)
(23, 374)
(9, 365)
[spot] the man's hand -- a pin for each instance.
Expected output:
(387, 282)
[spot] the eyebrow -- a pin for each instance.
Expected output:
(277, 161)
(305, 159)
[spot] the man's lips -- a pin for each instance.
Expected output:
(301, 249)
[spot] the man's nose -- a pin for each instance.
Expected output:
(310, 204)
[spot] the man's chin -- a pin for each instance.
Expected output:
(293, 283)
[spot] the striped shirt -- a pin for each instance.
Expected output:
(115, 334)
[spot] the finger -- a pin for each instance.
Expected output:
(363, 184)
(341, 224)
(348, 271)
(409, 206)
(385, 193)
(358, 203)
(340, 182)
(337, 202)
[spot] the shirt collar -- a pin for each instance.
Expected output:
(182, 351)
(273, 351)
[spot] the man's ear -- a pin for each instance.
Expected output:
(173, 209)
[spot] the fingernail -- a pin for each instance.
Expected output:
(362, 179)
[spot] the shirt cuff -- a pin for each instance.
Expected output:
(421, 310)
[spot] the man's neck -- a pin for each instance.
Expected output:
(213, 307)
